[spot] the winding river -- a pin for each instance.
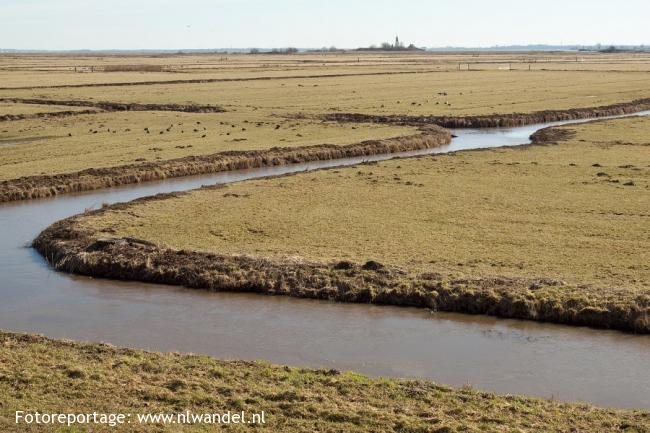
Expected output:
(507, 356)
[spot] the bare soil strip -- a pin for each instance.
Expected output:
(10, 117)
(220, 80)
(45, 186)
(497, 120)
(121, 106)
(70, 248)
(54, 376)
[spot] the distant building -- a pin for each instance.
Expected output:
(396, 46)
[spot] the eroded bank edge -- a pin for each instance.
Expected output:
(72, 249)
(90, 179)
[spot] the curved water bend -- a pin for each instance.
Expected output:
(607, 368)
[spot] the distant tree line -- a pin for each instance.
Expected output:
(612, 49)
(386, 46)
(389, 47)
(290, 50)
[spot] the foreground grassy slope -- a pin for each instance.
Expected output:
(574, 215)
(59, 376)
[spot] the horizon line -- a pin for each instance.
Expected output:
(540, 46)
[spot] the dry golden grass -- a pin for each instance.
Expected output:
(52, 146)
(401, 84)
(213, 65)
(38, 374)
(463, 93)
(544, 211)
(576, 212)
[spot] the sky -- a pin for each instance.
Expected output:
(176, 24)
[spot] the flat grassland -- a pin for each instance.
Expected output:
(60, 376)
(50, 146)
(290, 91)
(458, 93)
(555, 232)
(566, 225)
(28, 71)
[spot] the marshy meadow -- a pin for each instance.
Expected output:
(481, 221)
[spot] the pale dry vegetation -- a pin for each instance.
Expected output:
(59, 70)
(457, 93)
(292, 91)
(51, 145)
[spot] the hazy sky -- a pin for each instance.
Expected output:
(103, 24)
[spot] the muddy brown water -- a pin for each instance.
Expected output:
(507, 356)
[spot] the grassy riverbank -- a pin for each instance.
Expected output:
(51, 146)
(547, 232)
(40, 374)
